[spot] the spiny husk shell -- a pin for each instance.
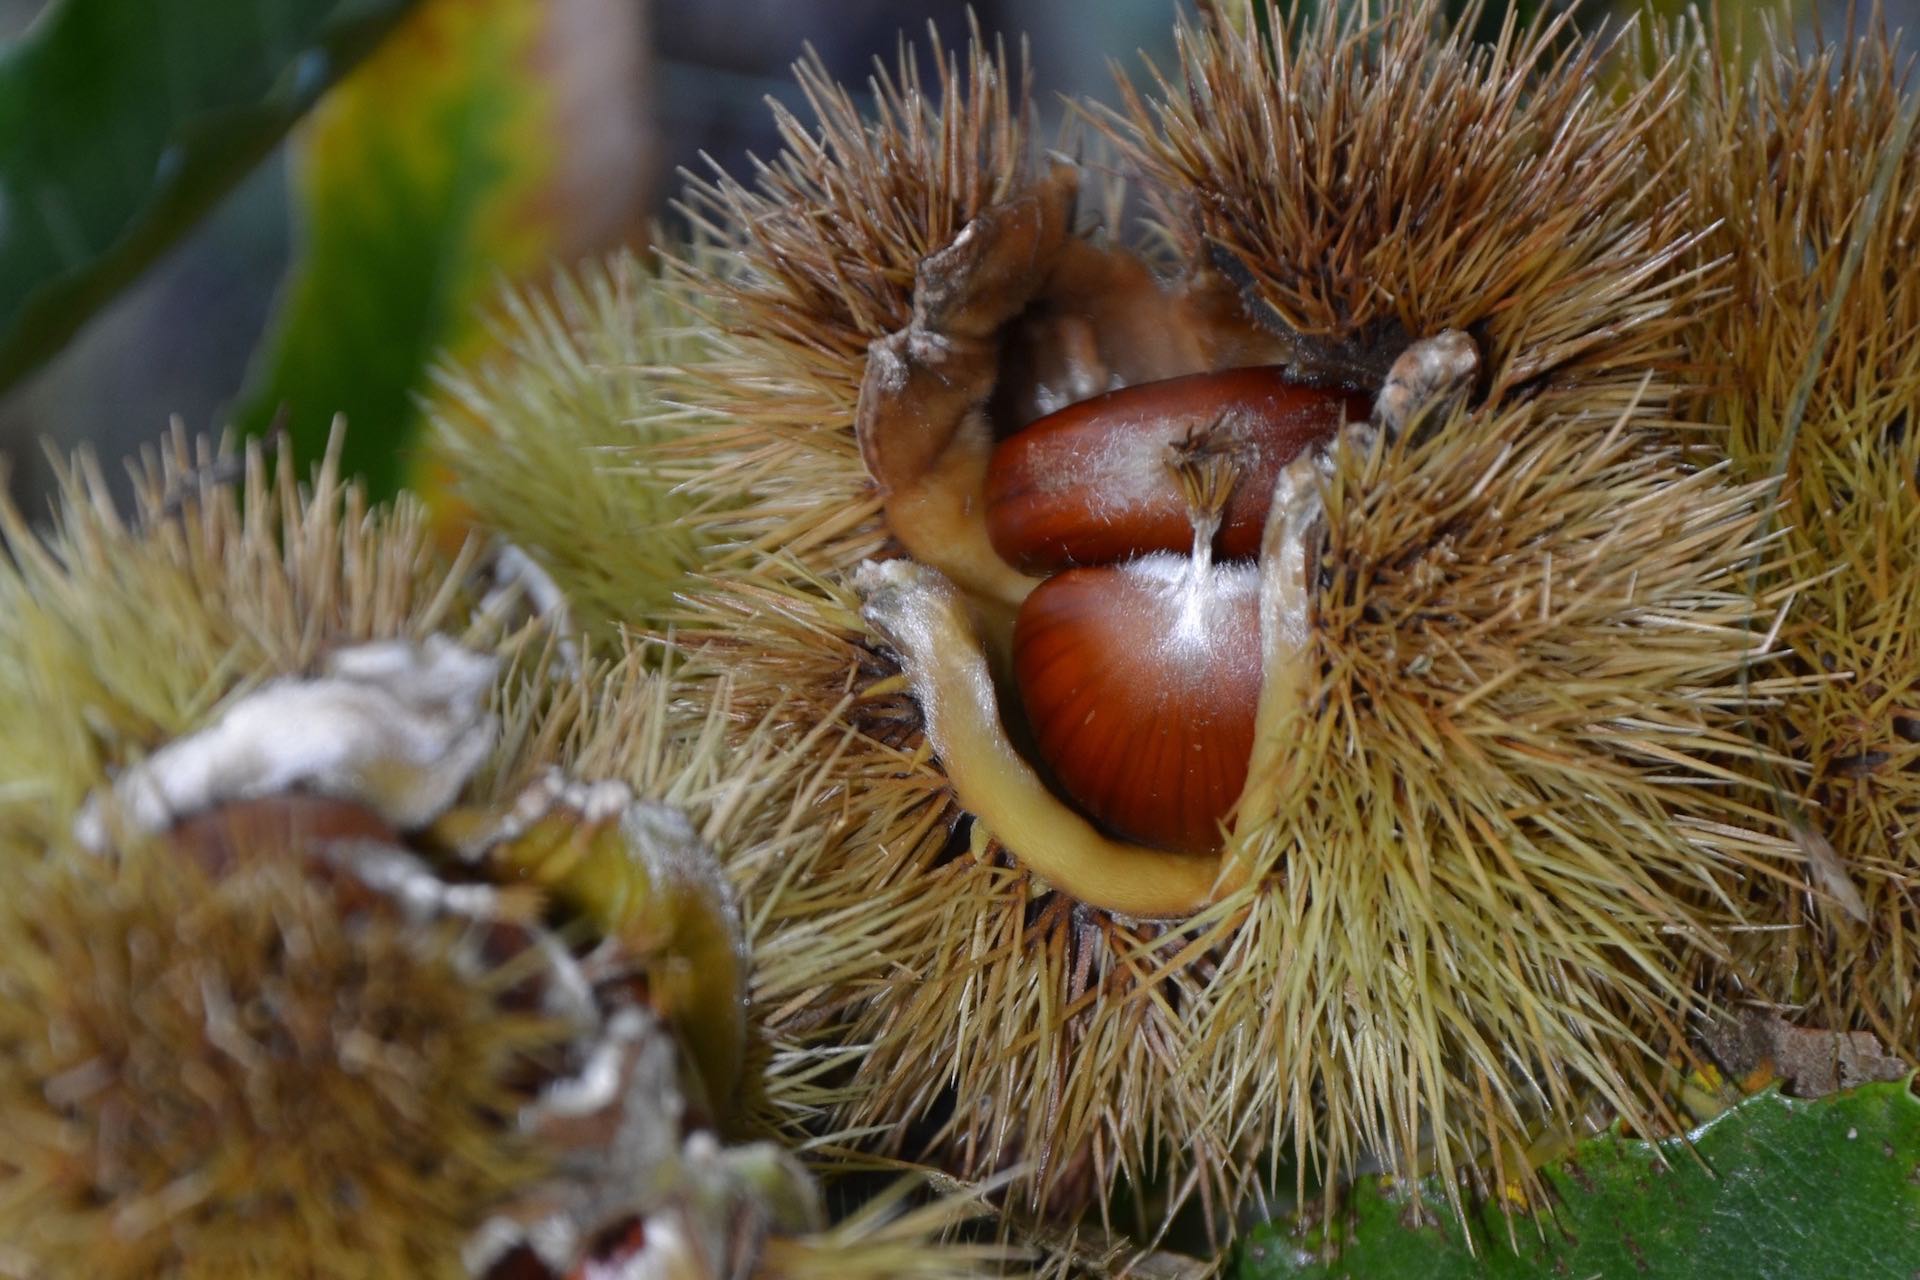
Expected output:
(1507, 807)
(1503, 799)
(1364, 179)
(119, 633)
(1812, 199)
(372, 1132)
(797, 274)
(561, 442)
(233, 1075)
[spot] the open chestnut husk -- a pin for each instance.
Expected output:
(1135, 557)
(1140, 671)
(1140, 683)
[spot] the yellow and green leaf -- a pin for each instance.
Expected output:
(421, 184)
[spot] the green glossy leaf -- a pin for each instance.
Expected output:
(419, 187)
(121, 121)
(1780, 1188)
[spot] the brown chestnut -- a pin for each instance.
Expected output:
(1140, 682)
(1089, 484)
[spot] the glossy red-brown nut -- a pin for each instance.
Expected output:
(1140, 683)
(1090, 485)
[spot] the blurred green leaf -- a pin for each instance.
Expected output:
(122, 121)
(418, 190)
(1780, 1188)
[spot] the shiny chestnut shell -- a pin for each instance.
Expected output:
(1089, 484)
(1140, 682)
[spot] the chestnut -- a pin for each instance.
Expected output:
(1089, 484)
(1140, 683)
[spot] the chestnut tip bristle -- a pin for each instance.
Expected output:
(1208, 461)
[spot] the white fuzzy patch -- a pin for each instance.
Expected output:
(396, 726)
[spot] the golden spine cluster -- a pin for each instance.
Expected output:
(1808, 370)
(265, 1014)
